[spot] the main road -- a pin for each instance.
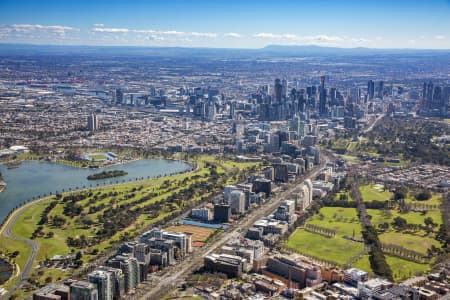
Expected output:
(195, 260)
(6, 231)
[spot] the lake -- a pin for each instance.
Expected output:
(6, 270)
(34, 179)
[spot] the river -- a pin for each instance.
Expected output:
(34, 179)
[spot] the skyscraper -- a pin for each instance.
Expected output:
(129, 267)
(277, 90)
(284, 88)
(104, 282)
(119, 96)
(92, 122)
(83, 290)
(118, 280)
(371, 89)
(380, 89)
(323, 111)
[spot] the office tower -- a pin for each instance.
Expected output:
(429, 98)
(380, 89)
(92, 122)
(322, 98)
(119, 96)
(309, 91)
(83, 290)
(301, 101)
(275, 142)
(371, 89)
(129, 267)
(237, 202)
(302, 129)
(284, 88)
(424, 91)
(118, 280)
(333, 96)
(222, 212)
(278, 90)
(294, 124)
(446, 96)
(142, 253)
(232, 109)
(210, 110)
(104, 282)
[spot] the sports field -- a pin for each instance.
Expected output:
(199, 234)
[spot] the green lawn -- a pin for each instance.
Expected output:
(335, 249)
(404, 269)
(343, 220)
(401, 269)
(12, 245)
(97, 156)
(381, 216)
(369, 193)
(412, 242)
(364, 264)
(436, 199)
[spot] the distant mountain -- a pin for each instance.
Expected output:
(214, 53)
(321, 50)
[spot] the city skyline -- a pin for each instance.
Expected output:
(230, 24)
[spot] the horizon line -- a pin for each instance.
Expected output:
(222, 48)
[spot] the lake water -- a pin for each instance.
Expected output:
(34, 179)
(5, 270)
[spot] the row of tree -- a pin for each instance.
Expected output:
(377, 259)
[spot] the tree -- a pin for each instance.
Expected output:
(423, 195)
(384, 226)
(428, 221)
(442, 235)
(400, 193)
(78, 255)
(400, 223)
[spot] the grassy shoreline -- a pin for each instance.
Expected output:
(162, 189)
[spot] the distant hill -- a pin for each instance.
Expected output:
(321, 50)
(268, 51)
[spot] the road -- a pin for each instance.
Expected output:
(373, 123)
(195, 260)
(6, 231)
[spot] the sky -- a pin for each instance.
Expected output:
(228, 24)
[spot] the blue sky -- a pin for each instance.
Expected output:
(231, 23)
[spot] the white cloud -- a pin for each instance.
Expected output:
(99, 25)
(327, 38)
(360, 40)
(275, 36)
(439, 37)
(155, 33)
(306, 39)
(38, 27)
(201, 34)
(110, 30)
(233, 35)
